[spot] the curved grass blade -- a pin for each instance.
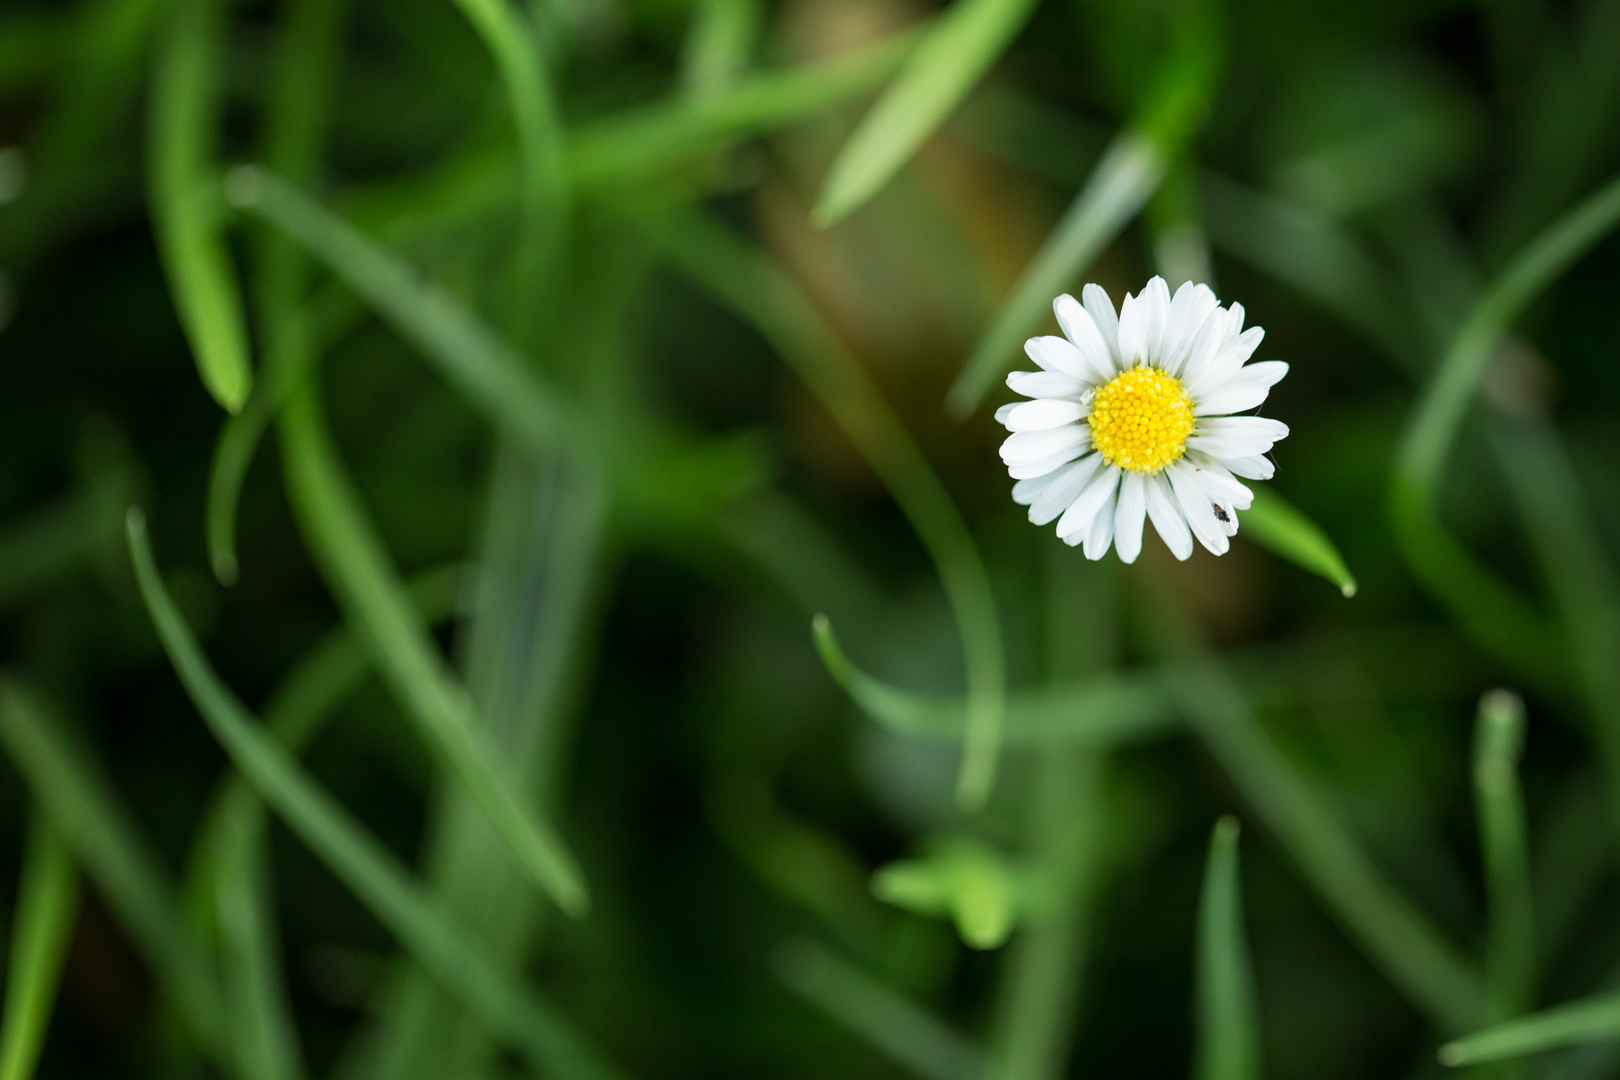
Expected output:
(905, 1033)
(186, 210)
(1510, 948)
(1491, 610)
(1101, 711)
(47, 910)
(108, 844)
(954, 55)
(757, 290)
(1594, 1019)
(356, 566)
(1275, 524)
(1120, 185)
(1228, 1015)
(543, 1036)
(466, 352)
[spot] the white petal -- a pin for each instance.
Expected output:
(1236, 436)
(1219, 484)
(1226, 517)
(1190, 311)
(1059, 457)
(1103, 316)
(1060, 495)
(1002, 411)
(1030, 446)
(1083, 333)
(1251, 468)
(1129, 512)
(1026, 492)
(1043, 414)
(1132, 331)
(1167, 519)
(1243, 384)
(1233, 355)
(1157, 296)
(1205, 345)
(1197, 508)
(1047, 384)
(1097, 494)
(1056, 354)
(1099, 536)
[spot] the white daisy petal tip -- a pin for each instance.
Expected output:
(1129, 421)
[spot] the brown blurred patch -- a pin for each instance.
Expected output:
(1229, 596)
(104, 983)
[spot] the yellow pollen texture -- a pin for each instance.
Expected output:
(1140, 419)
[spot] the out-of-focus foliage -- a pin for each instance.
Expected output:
(439, 440)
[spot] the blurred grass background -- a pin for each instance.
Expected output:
(560, 361)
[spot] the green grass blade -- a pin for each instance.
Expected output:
(1228, 1014)
(1510, 948)
(1275, 524)
(108, 844)
(1100, 711)
(954, 55)
(1495, 614)
(47, 911)
(904, 1032)
(1120, 185)
(1595, 1019)
(640, 143)
(186, 210)
(542, 1035)
(718, 46)
(465, 351)
(263, 1036)
(356, 566)
(745, 280)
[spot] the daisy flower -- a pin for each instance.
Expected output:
(1131, 420)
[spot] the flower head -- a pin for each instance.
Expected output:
(1131, 421)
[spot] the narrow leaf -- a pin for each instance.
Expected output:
(1275, 524)
(1594, 1019)
(47, 910)
(950, 60)
(1510, 953)
(1228, 1015)
(544, 1037)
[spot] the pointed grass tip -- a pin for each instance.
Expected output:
(243, 185)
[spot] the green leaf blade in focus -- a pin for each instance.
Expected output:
(1228, 1015)
(186, 210)
(953, 56)
(1275, 524)
(47, 909)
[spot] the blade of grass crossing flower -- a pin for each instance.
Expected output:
(1120, 185)
(1595, 1019)
(47, 911)
(948, 62)
(356, 567)
(1510, 951)
(544, 1038)
(186, 209)
(905, 1033)
(1275, 524)
(116, 857)
(1228, 1014)
(465, 351)
(1495, 615)
(745, 280)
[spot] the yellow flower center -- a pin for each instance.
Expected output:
(1140, 419)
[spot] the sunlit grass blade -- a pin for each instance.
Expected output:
(1275, 524)
(954, 55)
(1120, 185)
(905, 1033)
(1492, 613)
(186, 208)
(754, 287)
(1510, 951)
(1228, 1014)
(639, 143)
(108, 844)
(1100, 711)
(47, 910)
(542, 1035)
(357, 569)
(263, 1037)
(718, 45)
(465, 350)
(1595, 1019)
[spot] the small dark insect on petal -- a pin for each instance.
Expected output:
(1221, 515)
